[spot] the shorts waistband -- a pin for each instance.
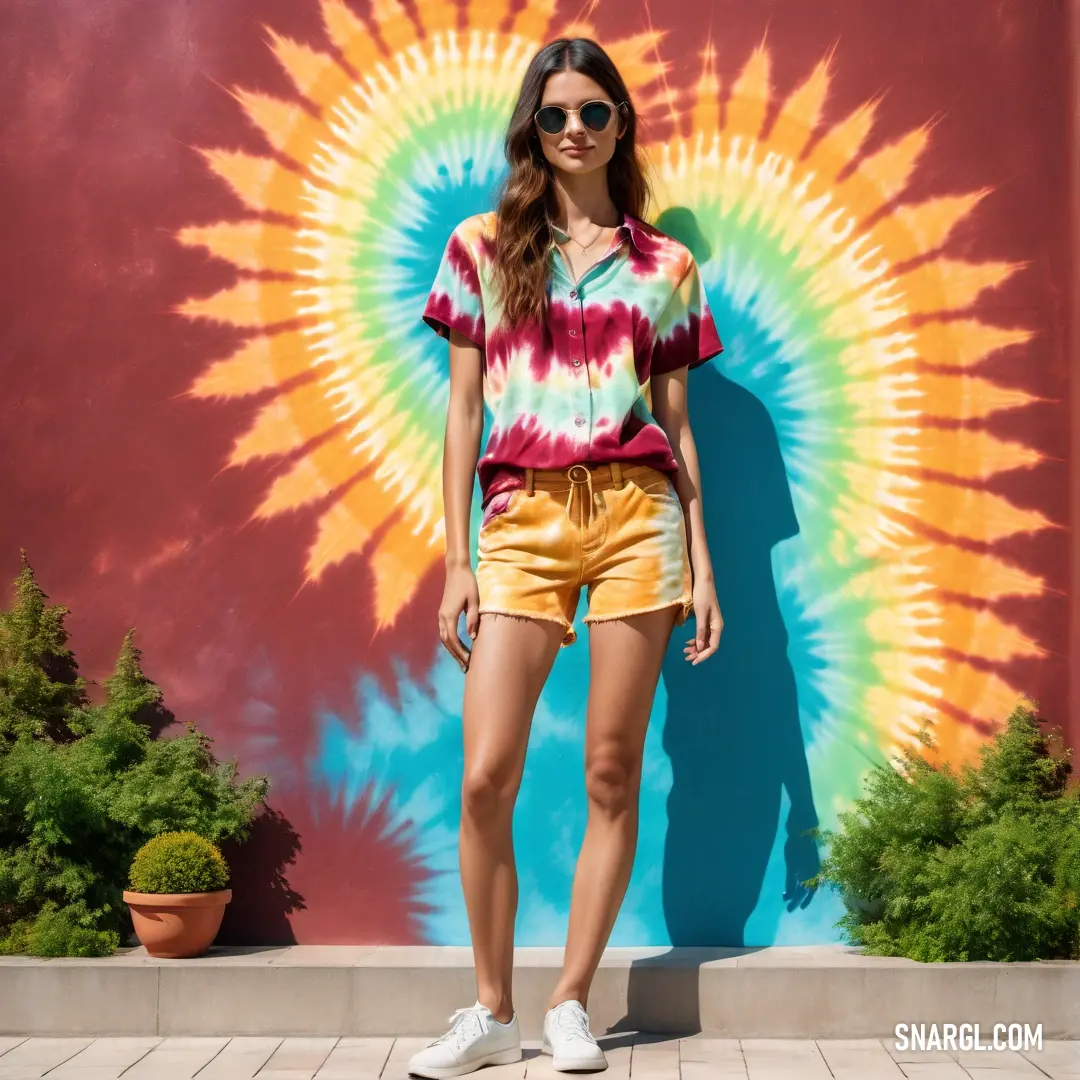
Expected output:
(599, 477)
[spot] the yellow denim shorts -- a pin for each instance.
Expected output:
(617, 530)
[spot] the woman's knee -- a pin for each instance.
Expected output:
(487, 794)
(612, 780)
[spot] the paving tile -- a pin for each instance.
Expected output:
(703, 1050)
(1064, 1051)
(1059, 1059)
(89, 1072)
(706, 1058)
(367, 1072)
(654, 1071)
(242, 1057)
(398, 1058)
(42, 1054)
(538, 1065)
(655, 1057)
(105, 1059)
(1002, 1074)
(178, 1058)
(287, 1074)
(856, 1059)
(356, 1057)
(619, 1051)
(996, 1061)
(933, 1070)
(1060, 1071)
(917, 1057)
(713, 1070)
(779, 1059)
(298, 1055)
(893, 1071)
(355, 1074)
(654, 1068)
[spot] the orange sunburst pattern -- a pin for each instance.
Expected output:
(401, 140)
(861, 336)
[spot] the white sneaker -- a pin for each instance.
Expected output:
(475, 1039)
(569, 1042)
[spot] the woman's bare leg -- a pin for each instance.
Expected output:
(626, 658)
(511, 660)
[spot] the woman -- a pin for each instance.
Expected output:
(576, 323)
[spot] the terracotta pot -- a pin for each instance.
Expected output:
(176, 926)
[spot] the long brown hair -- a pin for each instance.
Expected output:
(526, 201)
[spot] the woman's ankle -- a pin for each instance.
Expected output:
(561, 997)
(500, 1006)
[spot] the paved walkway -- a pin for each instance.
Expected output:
(644, 1057)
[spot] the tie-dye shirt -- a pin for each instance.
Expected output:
(576, 386)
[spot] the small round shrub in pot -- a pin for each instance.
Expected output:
(178, 894)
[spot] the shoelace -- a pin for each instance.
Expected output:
(574, 1022)
(460, 1026)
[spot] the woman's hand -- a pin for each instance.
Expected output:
(709, 623)
(459, 594)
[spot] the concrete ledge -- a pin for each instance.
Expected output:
(808, 992)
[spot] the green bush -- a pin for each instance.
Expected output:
(178, 862)
(83, 786)
(980, 864)
(56, 931)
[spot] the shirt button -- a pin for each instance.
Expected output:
(576, 362)
(573, 333)
(573, 294)
(579, 420)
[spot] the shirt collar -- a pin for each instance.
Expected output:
(630, 228)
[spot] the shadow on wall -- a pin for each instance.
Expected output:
(260, 910)
(732, 728)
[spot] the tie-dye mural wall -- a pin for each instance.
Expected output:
(224, 417)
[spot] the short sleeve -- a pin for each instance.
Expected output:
(456, 301)
(685, 333)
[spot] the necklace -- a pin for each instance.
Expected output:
(585, 247)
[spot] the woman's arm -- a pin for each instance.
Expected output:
(669, 408)
(461, 450)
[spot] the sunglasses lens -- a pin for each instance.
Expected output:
(551, 119)
(595, 115)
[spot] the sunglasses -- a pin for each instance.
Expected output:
(595, 115)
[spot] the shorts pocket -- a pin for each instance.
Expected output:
(660, 489)
(500, 507)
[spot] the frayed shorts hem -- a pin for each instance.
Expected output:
(685, 604)
(570, 634)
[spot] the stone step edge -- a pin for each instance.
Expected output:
(410, 991)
